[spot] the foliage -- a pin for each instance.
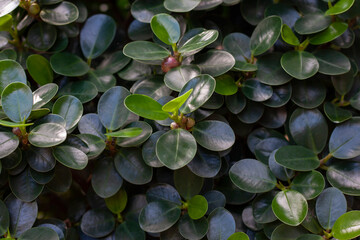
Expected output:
(179, 119)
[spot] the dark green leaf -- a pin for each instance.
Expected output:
(24, 187)
(10, 71)
(112, 63)
(215, 199)
(256, 91)
(60, 14)
(144, 50)
(97, 35)
(85, 91)
(345, 176)
(129, 230)
(193, 229)
(215, 62)
(330, 205)
(297, 158)
(187, 183)
(96, 144)
(285, 232)
(47, 135)
(41, 36)
(299, 64)
(40, 159)
(312, 23)
(181, 5)
(290, 207)
(332, 62)
(97, 223)
(335, 113)
(39, 69)
(205, 163)
(70, 157)
(68, 64)
(221, 224)
(44, 94)
(252, 176)
(265, 35)
(39, 233)
(309, 184)
(4, 218)
(261, 208)
(270, 71)
(166, 28)
(176, 148)
(62, 179)
(238, 44)
(131, 166)
(308, 94)
(176, 78)
(159, 216)
(17, 102)
(70, 108)
(144, 10)
(8, 143)
(199, 41)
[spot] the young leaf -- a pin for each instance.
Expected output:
(6, 22)
(117, 203)
(198, 206)
(166, 28)
(347, 226)
(340, 7)
(199, 41)
(127, 132)
(335, 30)
(13, 125)
(288, 36)
(175, 104)
(145, 106)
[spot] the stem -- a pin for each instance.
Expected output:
(174, 48)
(327, 235)
(329, 4)
(89, 61)
(303, 45)
(252, 58)
(280, 186)
(325, 159)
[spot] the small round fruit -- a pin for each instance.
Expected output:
(34, 9)
(169, 63)
(174, 125)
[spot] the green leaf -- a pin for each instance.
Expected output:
(24, 187)
(297, 158)
(127, 132)
(149, 150)
(44, 94)
(285, 232)
(309, 237)
(85, 91)
(239, 236)
(308, 94)
(144, 50)
(6, 22)
(252, 176)
(102, 83)
(281, 96)
(309, 184)
(265, 35)
(340, 7)
(347, 226)
(159, 216)
(214, 135)
(60, 14)
(146, 107)
(193, 229)
(39, 233)
(300, 64)
(215, 62)
(197, 207)
(238, 44)
(166, 28)
(187, 183)
(10, 71)
(221, 224)
(163, 192)
(270, 71)
(288, 36)
(261, 208)
(312, 23)
(335, 113)
(225, 85)
(203, 87)
(332, 62)
(129, 230)
(335, 30)
(70, 108)
(309, 129)
(13, 125)
(330, 205)
(256, 91)
(345, 176)
(70, 157)
(181, 5)
(40, 159)
(112, 63)
(96, 144)
(174, 105)
(144, 10)
(290, 207)
(8, 6)
(8, 143)
(137, 140)
(206, 163)
(96, 35)
(68, 64)
(117, 203)
(47, 135)
(111, 108)
(97, 223)
(199, 41)
(41, 36)
(131, 166)
(344, 141)
(17, 102)
(176, 78)
(176, 148)
(4, 218)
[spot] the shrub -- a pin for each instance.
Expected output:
(182, 120)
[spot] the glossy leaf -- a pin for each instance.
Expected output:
(70, 157)
(265, 35)
(347, 226)
(187, 183)
(70, 108)
(290, 207)
(68, 64)
(309, 184)
(239, 236)
(39, 233)
(127, 132)
(198, 206)
(146, 107)
(261, 208)
(252, 176)
(340, 7)
(60, 14)
(193, 229)
(41, 36)
(39, 69)
(96, 35)
(143, 50)
(256, 91)
(335, 113)
(8, 143)
(47, 135)
(117, 203)
(215, 62)
(97, 223)
(299, 64)
(270, 71)
(176, 148)
(10, 71)
(335, 30)
(221, 224)
(297, 158)
(175, 104)
(332, 62)
(199, 41)
(214, 135)
(288, 36)
(181, 6)
(8, 6)
(166, 28)
(176, 78)
(312, 23)
(144, 10)
(85, 91)
(344, 176)
(24, 187)
(330, 205)
(159, 216)
(43, 95)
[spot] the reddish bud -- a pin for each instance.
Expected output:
(17, 131)
(174, 125)
(190, 123)
(169, 63)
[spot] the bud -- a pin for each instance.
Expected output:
(169, 63)
(34, 9)
(190, 123)
(174, 125)
(17, 131)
